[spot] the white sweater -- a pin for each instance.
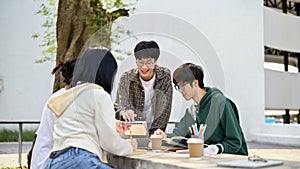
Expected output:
(44, 141)
(85, 119)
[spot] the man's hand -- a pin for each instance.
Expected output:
(160, 132)
(214, 149)
(128, 115)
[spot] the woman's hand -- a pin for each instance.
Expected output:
(121, 128)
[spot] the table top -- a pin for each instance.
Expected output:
(297, 1)
(173, 160)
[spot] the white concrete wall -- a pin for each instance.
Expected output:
(282, 90)
(281, 30)
(26, 85)
(225, 37)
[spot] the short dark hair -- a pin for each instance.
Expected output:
(146, 49)
(188, 72)
(66, 70)
(98, 66)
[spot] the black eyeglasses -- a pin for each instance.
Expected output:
(148, 64)
(180, 87)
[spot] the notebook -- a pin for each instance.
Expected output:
(139, 131)
(138, 128)
(176, 141)
(250, 164)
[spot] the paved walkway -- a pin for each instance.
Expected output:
(9, 153)
(12, 147)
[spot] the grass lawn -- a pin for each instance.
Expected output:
(12, 135)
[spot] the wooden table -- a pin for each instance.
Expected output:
(143, 159)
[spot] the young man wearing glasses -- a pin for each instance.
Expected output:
(223, 132)
(145, 93)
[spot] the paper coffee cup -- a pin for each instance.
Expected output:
(156, 141)
(195, 146)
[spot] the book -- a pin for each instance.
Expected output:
(177, 141)
(250, 163)
(137, 128)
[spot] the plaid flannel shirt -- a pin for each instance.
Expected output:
(130, 95)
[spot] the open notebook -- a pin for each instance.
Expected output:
(138, 128)
(139, 131)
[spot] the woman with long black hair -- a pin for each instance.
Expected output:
(85, 127)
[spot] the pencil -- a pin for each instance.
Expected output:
(191, 131)
(203, 129)
(130, 135)
(196, 128)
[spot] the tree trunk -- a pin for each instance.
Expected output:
(77, 21)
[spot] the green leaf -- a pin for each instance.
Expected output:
(35, 36)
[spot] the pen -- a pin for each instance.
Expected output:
(130, 135)
(191, 131)
(203, 129)
(196, 128)
(200, 127)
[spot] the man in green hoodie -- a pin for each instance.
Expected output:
(212, 108)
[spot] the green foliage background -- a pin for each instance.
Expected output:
(48, 10)
(12, 135)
